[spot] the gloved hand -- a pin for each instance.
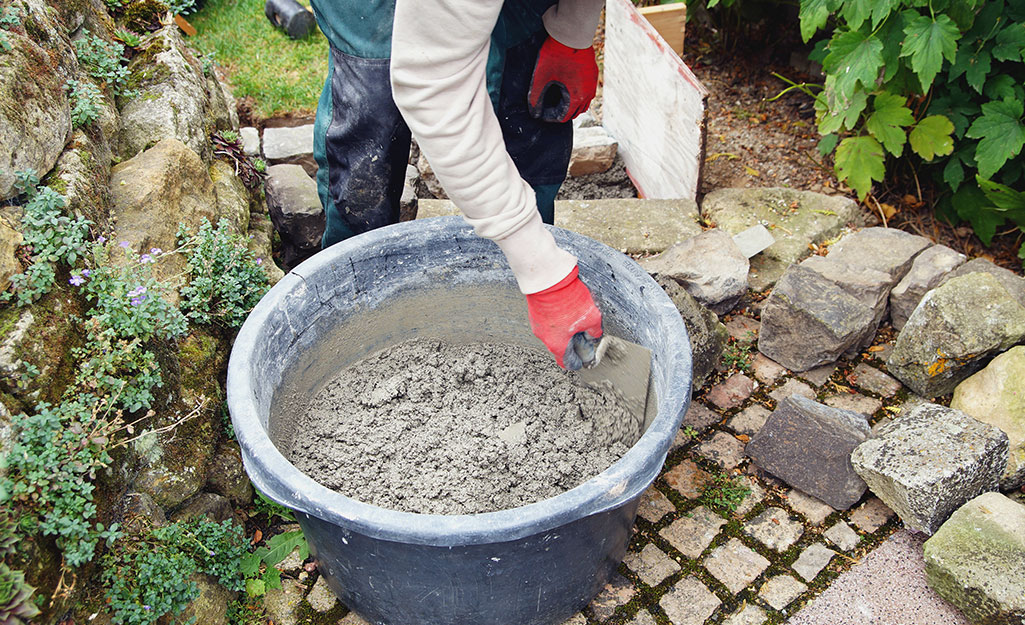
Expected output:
(564, 82)
(559, 312)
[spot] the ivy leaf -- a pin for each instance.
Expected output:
(1001, 135)
(887, 122)
(971, 205)
(855, 12)
(854, 58)
(1003, 197)
(931, 137)
(1010, 43)
(928, 42)
(813, 15)
(859, 161)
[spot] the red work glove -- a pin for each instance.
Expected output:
(564, 82)
(559, 312)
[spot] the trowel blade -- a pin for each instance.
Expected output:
(624, 368)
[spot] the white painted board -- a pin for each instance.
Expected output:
(653, 104)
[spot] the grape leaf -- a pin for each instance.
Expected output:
(1010, 43)
(891, 33)
(859, 161)
(882, 9)
(979, 66)
(855, 12)
(256, 587)
(953, 173)
(835, 111)
(853, 58)
(1001, 134)
(887, 122)
(813, 15)
(928, 42)
(1004, 86)
(931, 137)
(828, 143)
(1003, 197)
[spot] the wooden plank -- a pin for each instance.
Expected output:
(653, 105)
(669, 20)
(183, 24)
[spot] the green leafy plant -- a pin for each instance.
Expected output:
(104, 61)
(10, 17)
(939, 83)
(86, 100)
(737, 355)
(225, 279)
(270, 508)
(724, 493)
(51, 237)
(228, 145)
(16, 607)
(128, 37)
(277, 549)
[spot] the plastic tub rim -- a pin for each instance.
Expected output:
(277, 478)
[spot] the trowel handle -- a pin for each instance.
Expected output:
(586, 348)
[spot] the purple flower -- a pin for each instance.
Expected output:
(138, 300)
(145, 258)
(101, 239)
(259, 261)
(77, 280)
(155, 250)
(137, 291)
(86, 272)
(146, 607)
(125, 244)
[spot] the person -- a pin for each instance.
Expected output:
(488, 89)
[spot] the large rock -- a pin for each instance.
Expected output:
(707, 334)
(593, 151)
(808, 445)
(927, 270)
(869, 286)
(232, 196)
(954, 331)
(296, 212)
(290, 145)
(882, 249)
(809, 321)
(82, 176)
(929, 462)
(1011, 281)
(796, 219)
(10, 241)
(261, 234)
(996, 395)
(172, 99)
(709, 266)
(35, 118)
(213, 604)
(976, 560)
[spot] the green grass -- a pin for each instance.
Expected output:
(280, 74)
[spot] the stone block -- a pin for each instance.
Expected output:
(766, 370)
(692, 534)
(812, 560)
(619, 591)
(707, 335)
(888, 250)
(651, 564)
(733, 392)
(819, 375)
(976, 560)
(750, 420)
(871, 515)
(755, 495)
(808, 445)
(1011, 281)
(948, 337)
(687, 479)
(792, 388)
(869, 286)
(781, 590)
(842, 536)
(775, 529)
(593, 151)
(750, 614)
(735, 565)
(688, 602)
(809, 321)
(854, 402)
(809, 507)
(700, 417)
(250, 140)
(296, 212)
(996, 395)
(723, 450)
(928, 462)
(870, 379)
(709, 266)
(927, 270)
(654, 505)
(744, 330)
(292, 145)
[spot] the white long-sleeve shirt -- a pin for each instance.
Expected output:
(439, 56)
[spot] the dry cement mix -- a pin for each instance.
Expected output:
(439, 428)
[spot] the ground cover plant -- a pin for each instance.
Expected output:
(280, 74)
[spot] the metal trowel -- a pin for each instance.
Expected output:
(620, 366)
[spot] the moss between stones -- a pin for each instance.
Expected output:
(143, 15)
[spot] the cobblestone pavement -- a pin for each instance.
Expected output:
(693, 561)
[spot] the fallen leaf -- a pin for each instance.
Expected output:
(743, 438)
(257, 536)
(876, 348)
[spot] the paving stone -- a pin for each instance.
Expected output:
(722, 449)
(815, 510)
(743, 329)
(651, 564)
(687, 479)
(854, 402)
(766, 370)
(750, 419)
(774, 528)
(281, 603)
(643, 618)
(654, 505)
(735, 565)
(873, 380)
(750, 614)
(690, 535)
(689, 602)
(321, 598)
(754, 497)
(780, 591)
(842, 536)
(792, 387)
(819, 375)
(808, 445)
(617, 592)
(812, 560)
(352, 619)
(930, 461)
(871, 515)
(700, 417)
(732, 392)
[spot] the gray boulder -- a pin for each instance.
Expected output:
(261, 234)
(808, 445)
(1011, 281)
(290, 145)
(296, 212)
(927, 270)
(929, 462)
(231, 194)
(809, 321)
(35, 117)
(869, 286)
(707, 335)
(210, 505)
(882, 249)
(10, 241)
(976, 560)
(996, 395)
(709, 266)
(82, 176)
(250, 140)
(954, 331)
(796, 218)
(593, 151)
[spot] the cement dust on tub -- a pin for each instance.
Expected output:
(427, 425)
